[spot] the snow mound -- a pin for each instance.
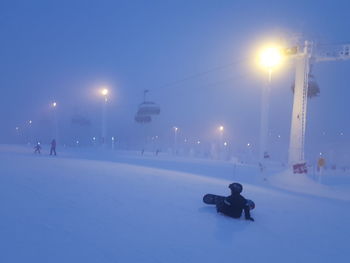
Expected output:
(301, 183)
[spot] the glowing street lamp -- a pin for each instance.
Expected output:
(269, 58)
(175, 139)
(104, 92)
(30, 131)
(221, 130)
(54, 106)
(113, 142)
(221, 142)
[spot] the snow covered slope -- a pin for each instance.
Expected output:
(94, 207)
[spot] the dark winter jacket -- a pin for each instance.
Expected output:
(233, 206)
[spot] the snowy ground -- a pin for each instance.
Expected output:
(97, 206)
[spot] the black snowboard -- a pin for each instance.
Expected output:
(212, 199)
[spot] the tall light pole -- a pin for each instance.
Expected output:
(30, 139)
(54, 108)
(104, 92)
(18, 134)
(269, 59)
(113, 142)
(175, 139)
(221, 130)
(221, 142)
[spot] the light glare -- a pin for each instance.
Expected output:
(270, 57)
(104, 92)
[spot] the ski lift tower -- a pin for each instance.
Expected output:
(303, 55)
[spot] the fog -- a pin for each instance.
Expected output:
(196, 59)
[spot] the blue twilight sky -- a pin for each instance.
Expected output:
(195, 57)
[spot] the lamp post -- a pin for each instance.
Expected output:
(221, 130)
(175, 139)
(104, 92)
(269, 59)
(30, 139)
(113, 142)
(221, 141)
(54, 108)
(18, 134)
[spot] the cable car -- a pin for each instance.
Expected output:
(143, 118)
(148, 108)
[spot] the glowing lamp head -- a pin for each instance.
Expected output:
(270, 57)
(54, 104)
(175, 129)
(221, 128)
(104, 92)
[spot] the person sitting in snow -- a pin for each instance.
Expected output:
(37, 148)
(235, 204)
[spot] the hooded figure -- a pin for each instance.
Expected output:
(235, 204)
(37, 148)
(53, 147)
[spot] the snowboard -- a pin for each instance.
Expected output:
(211, 199)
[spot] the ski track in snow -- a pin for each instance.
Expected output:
(102, 207)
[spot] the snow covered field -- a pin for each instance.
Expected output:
(99, 206)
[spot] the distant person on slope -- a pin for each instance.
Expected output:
(37, 148)
(235, 204)
(53, 147)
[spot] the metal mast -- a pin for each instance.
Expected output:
(297, 134)
(303, 57)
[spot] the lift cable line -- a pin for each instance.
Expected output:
(224, 81)
(200, 74)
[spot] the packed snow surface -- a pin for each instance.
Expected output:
(90, 205)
